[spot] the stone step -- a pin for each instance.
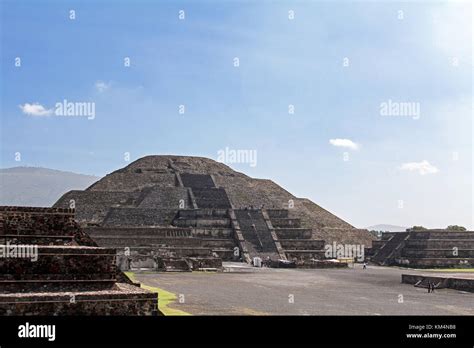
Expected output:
(197, 180)
(60, 262)
(286, 222)
(37, 221)
(36, 239)
(212, 232)
(435, 262)
(211, 198)
(121, 299)
(133, 241)
(138, 217)
(218, 243)
(294, 233)
(203, 213)
(440, 243)
(305, 254)
(158, 232)
(202, 222)
(57, 285)
(302, 244)
(437, 253)
(442, 235)
(277, 213)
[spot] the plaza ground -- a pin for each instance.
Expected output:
(353, 291)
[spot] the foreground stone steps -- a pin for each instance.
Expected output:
(64, 262)
(77, 279)
(121, 299)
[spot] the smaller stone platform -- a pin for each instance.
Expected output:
(457, 281)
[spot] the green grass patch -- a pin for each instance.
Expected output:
(165, 298)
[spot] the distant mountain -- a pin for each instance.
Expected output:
(35, 186)
(387, 228)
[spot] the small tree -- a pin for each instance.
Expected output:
(417, 228)
(456, 228)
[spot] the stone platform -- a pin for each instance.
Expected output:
(457, 281)
(65, 272)
(425, 249)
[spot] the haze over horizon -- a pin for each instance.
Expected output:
(312, 96)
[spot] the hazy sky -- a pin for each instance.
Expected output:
(343, 68)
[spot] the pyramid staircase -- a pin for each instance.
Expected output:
(390, 250)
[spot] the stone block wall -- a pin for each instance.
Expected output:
(45, 282)
(139, 217)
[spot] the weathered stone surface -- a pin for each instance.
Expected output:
(229, 215)
(425, 249)
(68, 275)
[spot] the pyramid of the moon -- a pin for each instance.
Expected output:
(193, 212)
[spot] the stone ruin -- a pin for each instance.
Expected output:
(186, 213)
(70, 274)
(425, 249)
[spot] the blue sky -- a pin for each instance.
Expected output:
(407, 52)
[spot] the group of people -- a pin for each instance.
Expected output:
(431, 287)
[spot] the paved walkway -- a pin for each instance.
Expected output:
(375, 291)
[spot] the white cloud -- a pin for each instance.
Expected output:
(344, 143)
(35, 109)
(102, 86)
(423, 167)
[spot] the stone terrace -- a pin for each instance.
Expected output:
(70, 275)
(425, 249)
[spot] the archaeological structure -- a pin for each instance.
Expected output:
(178, 213)
(68, 275)
(424, 249)
(185, 213)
